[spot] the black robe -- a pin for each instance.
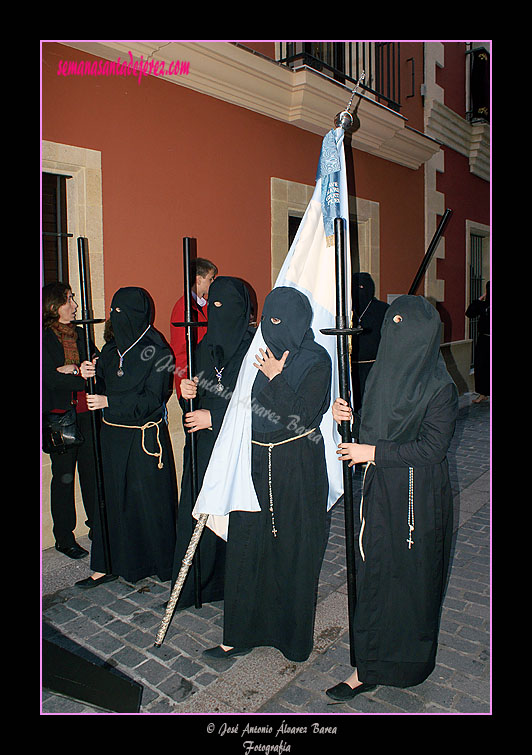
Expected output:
(481, 309)
(368, 312)
(400, 590)
(140, 497)
(271, 581)
(409, 414)
(229, 331)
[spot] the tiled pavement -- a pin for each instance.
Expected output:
(115, 626)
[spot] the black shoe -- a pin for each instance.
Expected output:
(72, 551)
(88, 583)
(219, 652)
(342, 692)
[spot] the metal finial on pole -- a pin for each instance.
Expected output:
(345, 119)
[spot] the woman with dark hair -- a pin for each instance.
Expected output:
(133, 383)
(63, 360)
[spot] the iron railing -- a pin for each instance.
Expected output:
(345, 61)
(479, 84)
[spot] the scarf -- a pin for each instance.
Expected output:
(67, 334)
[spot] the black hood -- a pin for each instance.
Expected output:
(294, 334)
(130, 315)
(228, 318)
(408, 372)
(362, 292)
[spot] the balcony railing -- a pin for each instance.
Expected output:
(479, 84)
(345, 61)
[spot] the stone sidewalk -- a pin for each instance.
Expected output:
(115, 626)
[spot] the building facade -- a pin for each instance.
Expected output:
(145, 143)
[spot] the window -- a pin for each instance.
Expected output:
(54, 229)
(293, 225)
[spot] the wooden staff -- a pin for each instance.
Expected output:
(185, 566)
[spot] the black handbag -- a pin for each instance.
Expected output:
(60, 431)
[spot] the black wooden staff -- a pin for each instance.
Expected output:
(425, 262)
(86, 321)
(188, 324)
(342, 332)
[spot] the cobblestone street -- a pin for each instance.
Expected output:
(115, 625)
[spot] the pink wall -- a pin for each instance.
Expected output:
(177, 163)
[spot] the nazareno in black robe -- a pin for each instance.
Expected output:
(481, 309)
(368, 313)
(140, 496)
(224, 346)
(409, 412)
(271, 580)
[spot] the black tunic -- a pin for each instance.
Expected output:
(271, 581)
(400, 590)
(140, 497)
(408, 414)
(368, 313)
(481, 309)
(228, 332)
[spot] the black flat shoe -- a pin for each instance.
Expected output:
(72, 551)
(219, 652)
(88, 583)
(342, 692)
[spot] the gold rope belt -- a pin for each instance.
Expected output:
(269, 447)
(144, 428)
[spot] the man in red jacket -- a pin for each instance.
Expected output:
(203, 273)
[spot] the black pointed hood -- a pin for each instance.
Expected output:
(130, 315)
(408, 372)
(362, 292)
(228, 318)
(293, 333)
